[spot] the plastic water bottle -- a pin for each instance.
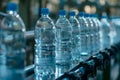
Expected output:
(84, 33)
(97, 30)
(106, 39)
(75, 38)
(12, 43)
(112, 32)
(94, 33)
(116, 27)
(45, 43)
(90, 33)
(64, 35)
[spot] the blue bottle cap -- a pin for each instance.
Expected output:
(12, 7)
(103, 16)
(62, 12)
(44, 11)
(91, 15)
(96, 15)
(72, 13)
(86, 15)
(81, 14)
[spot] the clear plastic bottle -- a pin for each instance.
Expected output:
(84, 33)
(64, 36)
(75, 38)
(45, 44)
(90, 33)
(94, 42)
(13, 45)
(115, 23)
(97, 43)
(97, 30)
(106, 39)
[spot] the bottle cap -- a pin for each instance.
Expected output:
(44, 11)
(72, 13)
(62, 12)
(103, 16)
(86, 15)
(81, 14)
(12, 7)
(92, 15)
(96, 15)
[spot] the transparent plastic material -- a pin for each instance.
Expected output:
(91, 33)
(96, 32)
(64, 36)
(12, 46)
(75, 38)
(84, 33)
(105, 30)
(45, 47)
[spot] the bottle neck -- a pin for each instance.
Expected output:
(12, 12)
(104, 19)
(87, 17)
(72, 16)
(81, 17)
(44, 15)
(62, 16)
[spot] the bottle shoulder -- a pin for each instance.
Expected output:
(74, 22)
(45, 22)
(63, 23)
(105, 23)
(13, 22)
(89, 21)
(83, 22)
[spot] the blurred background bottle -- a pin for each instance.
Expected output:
(45, 32)
(96, 32)
(64, 36)
(84, 33)
(90, 33)
(106, 32)
(75, 38)
(13, 45)
(115, 23)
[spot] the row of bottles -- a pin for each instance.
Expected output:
(58, 46)
(61, 46)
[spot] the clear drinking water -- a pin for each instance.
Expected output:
(97, 27)
(12, 45)
(63, 49)
(106, 39)
(90, 33)
(45, 42)
(64, 35)
(75, 38)
(84, 34)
